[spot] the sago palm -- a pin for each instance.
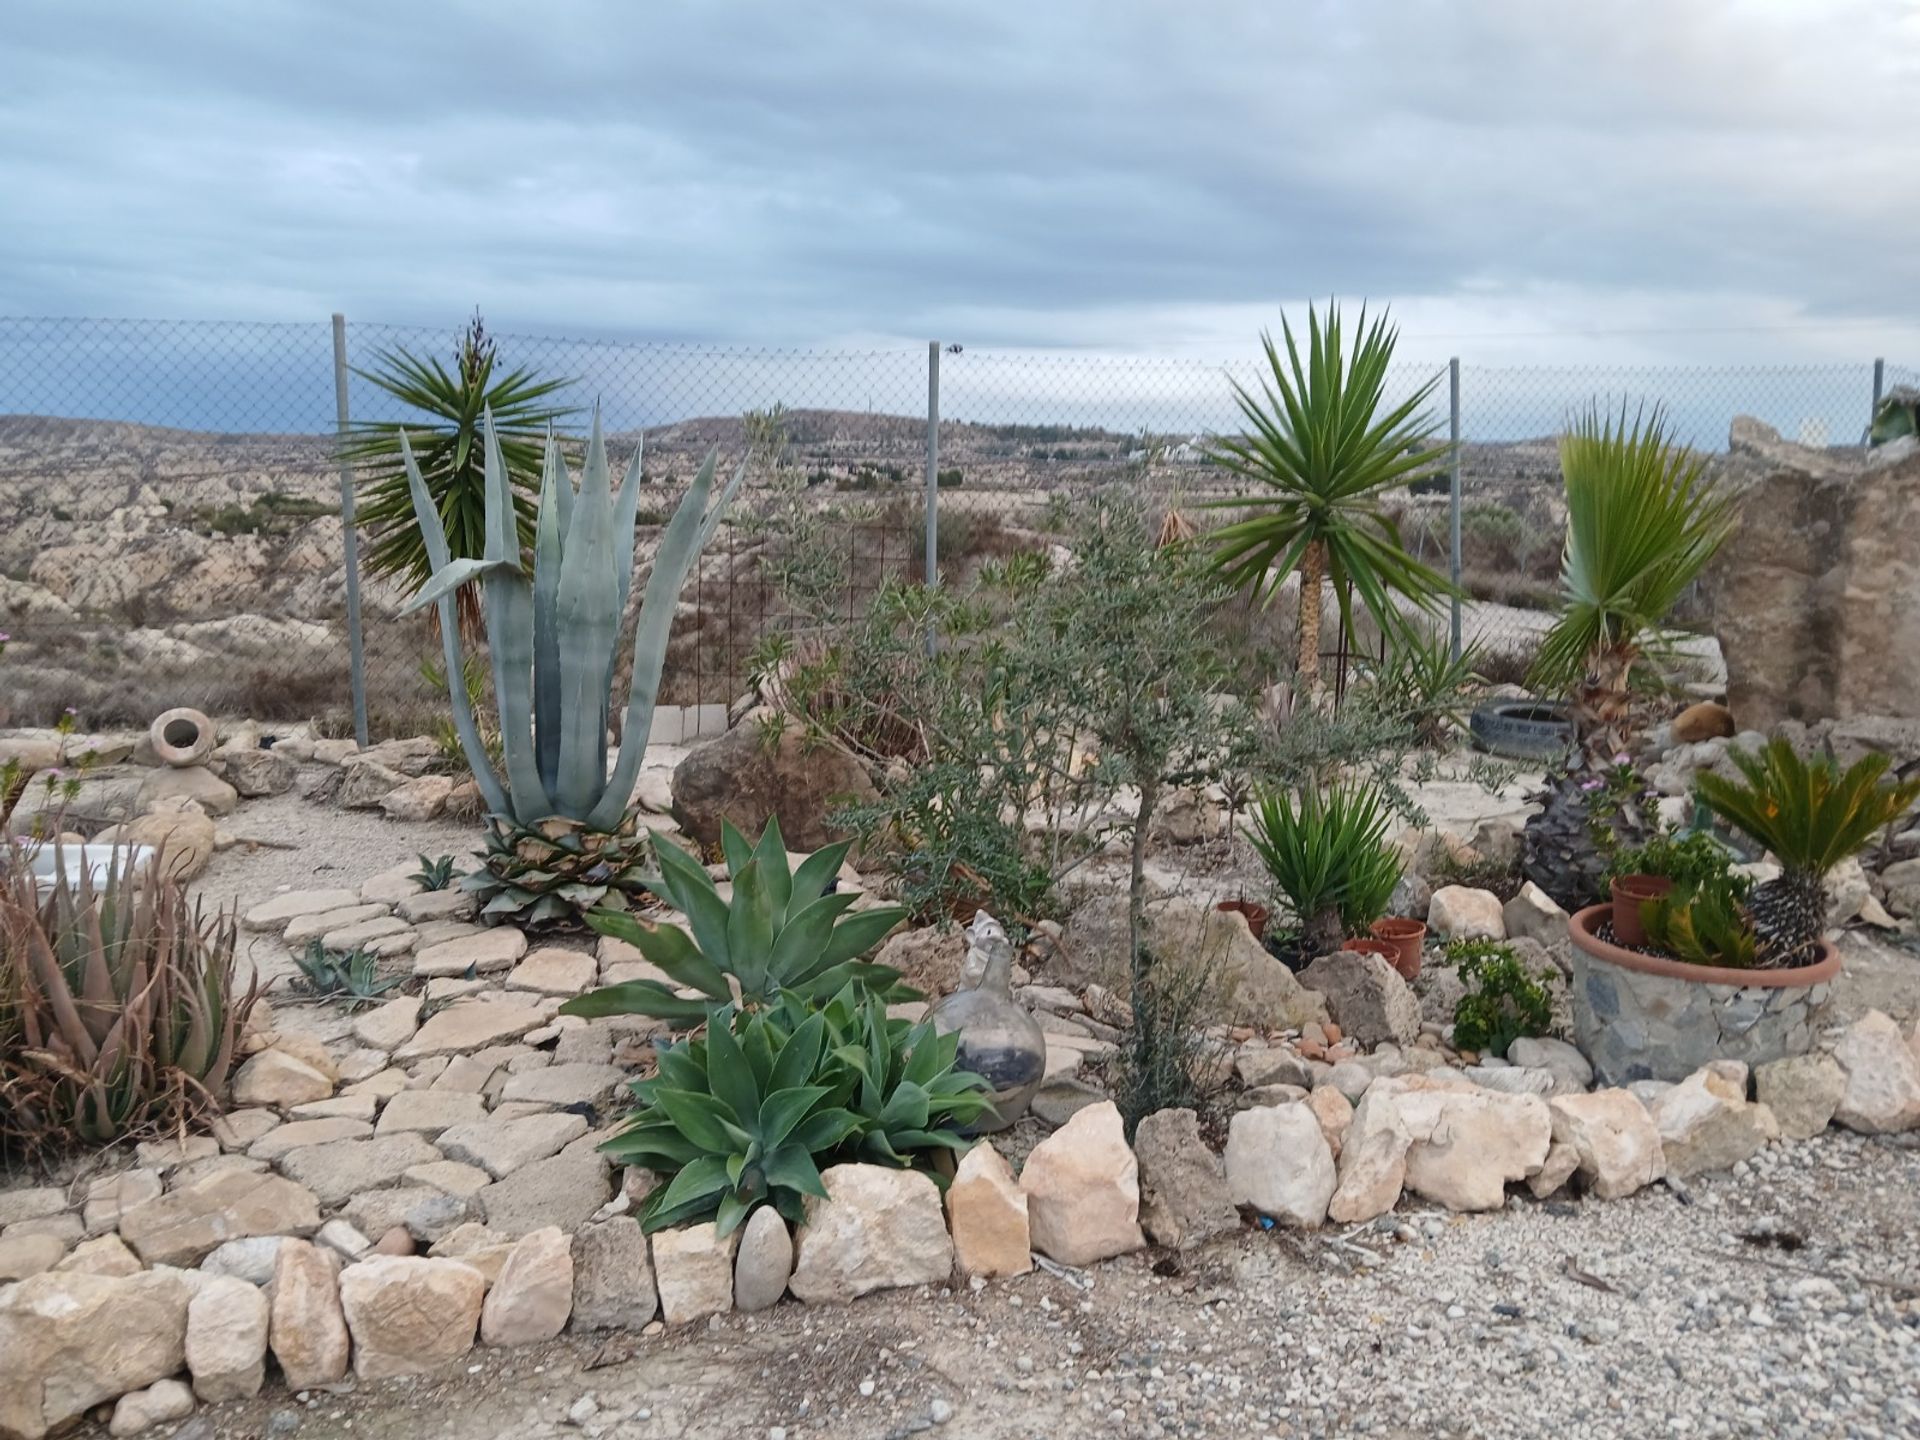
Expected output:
(447, 446)
(1322, 446)
(1643, 520)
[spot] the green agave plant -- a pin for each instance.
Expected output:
(752, 1110)
(782, 934)
(553, 632)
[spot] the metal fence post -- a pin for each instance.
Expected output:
(1879, 391)
(356, 650)
(1453, 504)
(933, 463)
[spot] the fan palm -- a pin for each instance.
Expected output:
(1643, 519)
(1323, 446)
(448, 448)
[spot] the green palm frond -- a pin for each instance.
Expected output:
(1322, 446)
(1809, 814)
(1643, 520)
(449, 449)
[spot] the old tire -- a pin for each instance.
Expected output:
(1522, 729)
(182, 737)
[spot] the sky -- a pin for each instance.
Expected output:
(1614, 182)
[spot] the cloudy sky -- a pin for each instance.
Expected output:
(1620, 180)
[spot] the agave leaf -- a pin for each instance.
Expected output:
(729, 1075)
(549, 549)
(679, 547)
(509, 602)
(792, 1165)
(446, 580)
(635, 997)
(589, 627)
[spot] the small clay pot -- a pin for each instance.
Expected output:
(1406, 937)
(1385, 949)
(1254, 914)
(1630, 892)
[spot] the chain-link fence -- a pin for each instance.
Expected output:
(173, 493)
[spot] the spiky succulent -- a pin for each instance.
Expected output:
(121, 1010)
(556, 870)
(1811, 815)
(553, 633)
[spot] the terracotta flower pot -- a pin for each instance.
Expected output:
(1646, 1017)
(1385, 949)
(1255, 915)
(1630, 892)
(1406, 937)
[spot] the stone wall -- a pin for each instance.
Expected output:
(1816, 598)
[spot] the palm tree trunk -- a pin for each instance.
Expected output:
(1313, 570)
(1603, 705)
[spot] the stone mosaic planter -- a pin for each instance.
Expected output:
(1642, 1018)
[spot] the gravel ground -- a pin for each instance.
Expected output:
(1778, 1302)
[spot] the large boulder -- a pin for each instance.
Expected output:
(1707, 1123)
(1278, 1161)
(1821, 582)
(745, 777)
(69, 1340)
(1466, 1144)
(987, 1213)
(1083, 1190)
(1244, 982)
(1184, 1198)
(877, 1229)
(410, 1316)
(1881, 1092)
(1367, 997)
(1614, 1142)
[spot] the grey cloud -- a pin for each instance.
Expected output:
(784, 173)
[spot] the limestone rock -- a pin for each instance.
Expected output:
(1802, 1091)
(1366, 996)
(1571, 1070)
(501, 1147)
(183, 837)
(364, 784)
(341, 1169)
(613, 1285)
(30, 1254)
(227, 1339)
(1184, 1198)
(408, 1315)
(251, 1260)
(420, 799)
(1561, 1165)
(1334, 1112)
(473, 1024)
(552, 970)
(693, 1269)
(255, 773)
(1615, 1142)
(877, 1229)
(987, 1213)
(102, 1255)
(533, 1296)
(1706, 1123)
(1278, 1161)
(113, 1196)
(567, 1191)
(1373, 1159)
(1083, 1190)
(307, 1330)
(1882, 1090)
(273, 1077)
(1536, 915)
(160, 1402)
(1246, 983)
(739, 777)
(275, 914)
(390, 1025)
(931, 961)
(1460, 912)
(162, 788)
(180, 1228)
(764, 1261)
(1468, 1143)
(297, 1133)
(1703, 720)
(73, 1340)
(576, 1084)
(431, 1112)
(1822, 586)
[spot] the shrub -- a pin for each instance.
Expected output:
(120, 1013)
(1327, 853)
(783, 933)
(1161, 1065)
(1424, 683)
(1503, 1002)
(752, 1110)
(1708, 926)
(1695, 860)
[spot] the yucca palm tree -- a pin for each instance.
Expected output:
(447, 446)
(1323, 446)
(1643, 520)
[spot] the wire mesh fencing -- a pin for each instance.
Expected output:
(173, 492)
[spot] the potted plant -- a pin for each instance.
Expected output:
(1630, 894)
(1407, 936)
(1732, 975)
(1252, 911)
(1687, 860)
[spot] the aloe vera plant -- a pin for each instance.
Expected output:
(559, 812)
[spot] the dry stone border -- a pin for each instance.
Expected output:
(433, 1180)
